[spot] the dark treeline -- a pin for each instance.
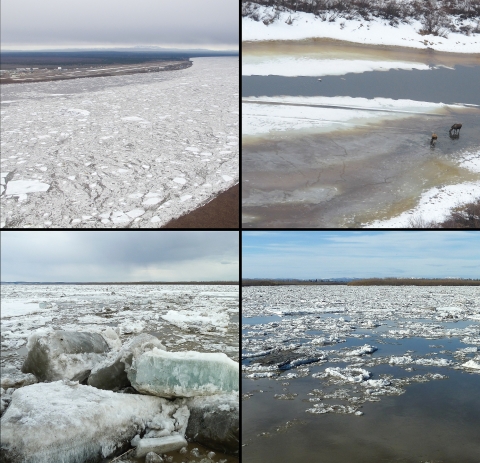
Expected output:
(414, 282)
(366, 282)
(267, 282)
(438, 17)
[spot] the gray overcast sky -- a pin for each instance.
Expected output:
(119, 256)
(30, 24)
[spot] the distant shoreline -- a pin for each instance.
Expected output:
(365, 282)
(31, 75)
(160, 283)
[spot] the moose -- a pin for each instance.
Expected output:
(454, 131)
(433, 140)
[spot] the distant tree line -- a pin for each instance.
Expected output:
(414, 282)
(366, 282)
(438, 17)
(267, 282)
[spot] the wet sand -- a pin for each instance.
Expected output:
(67, 73)
(221, 212)
(337, 49)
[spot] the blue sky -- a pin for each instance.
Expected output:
(331, 254)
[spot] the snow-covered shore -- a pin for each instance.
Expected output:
(436, 204)
(374, 32)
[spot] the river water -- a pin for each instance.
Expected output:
(423, 337)
(440, 85)
(350, 174)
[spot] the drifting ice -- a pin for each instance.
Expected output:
(474, 363)
(183, 374)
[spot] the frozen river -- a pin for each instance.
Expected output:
(202, 318)
(126, 151)
(361, 373)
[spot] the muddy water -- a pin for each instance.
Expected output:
(436, 422)
(347, 178)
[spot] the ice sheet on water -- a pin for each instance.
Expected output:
(22, 187)
(183, 374)
(201, 318)
(128, 140)
(15, 308)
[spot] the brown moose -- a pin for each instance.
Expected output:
(455, 130)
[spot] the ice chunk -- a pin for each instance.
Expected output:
(18, 187)
(152, 457)
(54, 355)
(473, 363)
(64, 422)
(112, 372)
(183, 374)
(16, 380)
(135, 213)
(132, 119)
(377, 383)
(300, 361)
(112, 339)
(349, 374)
(152, 201)
(214, 422)
(160, 445)
(400, 360)
(120, 217)
(366, 349)
(80, 112)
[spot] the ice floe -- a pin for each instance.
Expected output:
(333, 341)
(108, 138)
